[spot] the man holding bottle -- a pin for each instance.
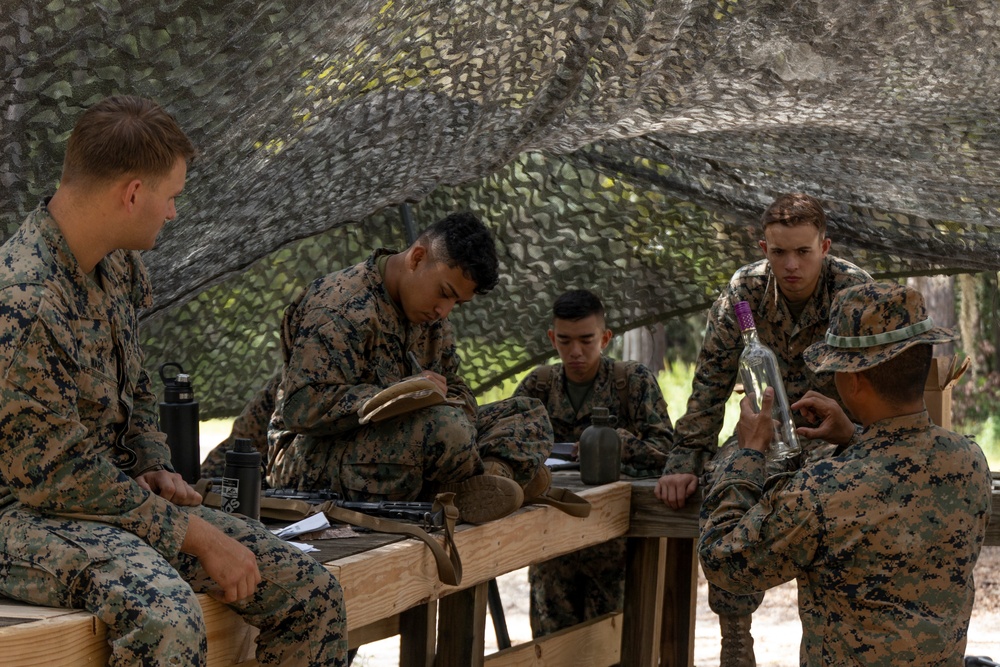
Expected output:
(883, 535)
(790, 292)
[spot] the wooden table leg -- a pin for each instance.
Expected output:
(680, 596)
(645, 561)
(462, 628)
(417, 628)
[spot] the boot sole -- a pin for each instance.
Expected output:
(486, 497)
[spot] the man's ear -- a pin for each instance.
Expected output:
(415, 255)
(825, 245)
(552, 337)
(129, 193)
(763, 246)
(606, 338)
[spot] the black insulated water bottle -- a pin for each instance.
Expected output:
(179, 420)
(241, 480)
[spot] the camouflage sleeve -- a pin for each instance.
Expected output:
(696, 437)
(650, 435)
(322, 383)
(752, 540)
(450, 361)
(529, 387)
(50, 459)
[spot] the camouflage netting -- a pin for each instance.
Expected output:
(620, 145)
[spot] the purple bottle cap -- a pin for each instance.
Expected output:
(744, 316)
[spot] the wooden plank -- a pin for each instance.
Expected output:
(644, 565)
(650, 517)
(72, 639)
(594, 643)
(680, 598)
(462, 628)
(417, 641)
(373, 632)
(396, 577)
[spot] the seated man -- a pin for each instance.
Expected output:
(573, 588)
(355, 332)
(882, 536)
(91, 515)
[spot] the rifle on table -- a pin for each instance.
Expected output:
(422, 513)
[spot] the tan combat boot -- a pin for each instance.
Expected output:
(492, 495)
(737, 643)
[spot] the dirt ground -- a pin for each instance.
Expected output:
(776, 627)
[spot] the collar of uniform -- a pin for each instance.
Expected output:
(91, 300)
(893, 429)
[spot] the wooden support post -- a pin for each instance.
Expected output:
(462, 628)
(644, 563)
(417, 628)
(680, 597)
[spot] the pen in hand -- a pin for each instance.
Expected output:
(414, 363)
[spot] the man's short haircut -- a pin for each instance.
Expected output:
(462, 240)
(577, 304)
(795, 209)
(900, 380)
(124, 136)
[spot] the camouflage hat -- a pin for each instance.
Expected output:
(870, 324)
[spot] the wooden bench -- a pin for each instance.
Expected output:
(391, 587)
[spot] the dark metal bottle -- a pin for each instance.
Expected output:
(241, 480)
(179, 420)
(600, 449)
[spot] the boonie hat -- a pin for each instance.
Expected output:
(870, 324)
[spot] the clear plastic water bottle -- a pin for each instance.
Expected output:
(759, 370)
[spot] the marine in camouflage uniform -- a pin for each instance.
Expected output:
(345, 340)
(91, 515)
(789, 293)
(76, 531)
(250, 424)
(585, 584)
(884, 535)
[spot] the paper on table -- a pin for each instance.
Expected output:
(317, 521)
(303, 547)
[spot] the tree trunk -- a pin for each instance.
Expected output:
(939, 297)
(646, 346)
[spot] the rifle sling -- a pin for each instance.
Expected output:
(449, 566)
(286, 509)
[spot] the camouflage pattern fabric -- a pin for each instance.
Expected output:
(585, 584)
(882, 538)
(250, 424)
(75, 530)
(717, 370)
(345, 340)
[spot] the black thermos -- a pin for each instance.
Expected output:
(241, 480)
(179, 420)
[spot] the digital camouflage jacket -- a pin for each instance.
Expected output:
(696, 435)
(644, 426)
(882, 538)
(345, 341)
(72, 383)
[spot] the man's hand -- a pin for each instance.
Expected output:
(227, 562)
(674, 490)
(755, 430)
(169, 486)
(436, 378)
(834, 425)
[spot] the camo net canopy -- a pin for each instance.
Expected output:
(623, 146)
